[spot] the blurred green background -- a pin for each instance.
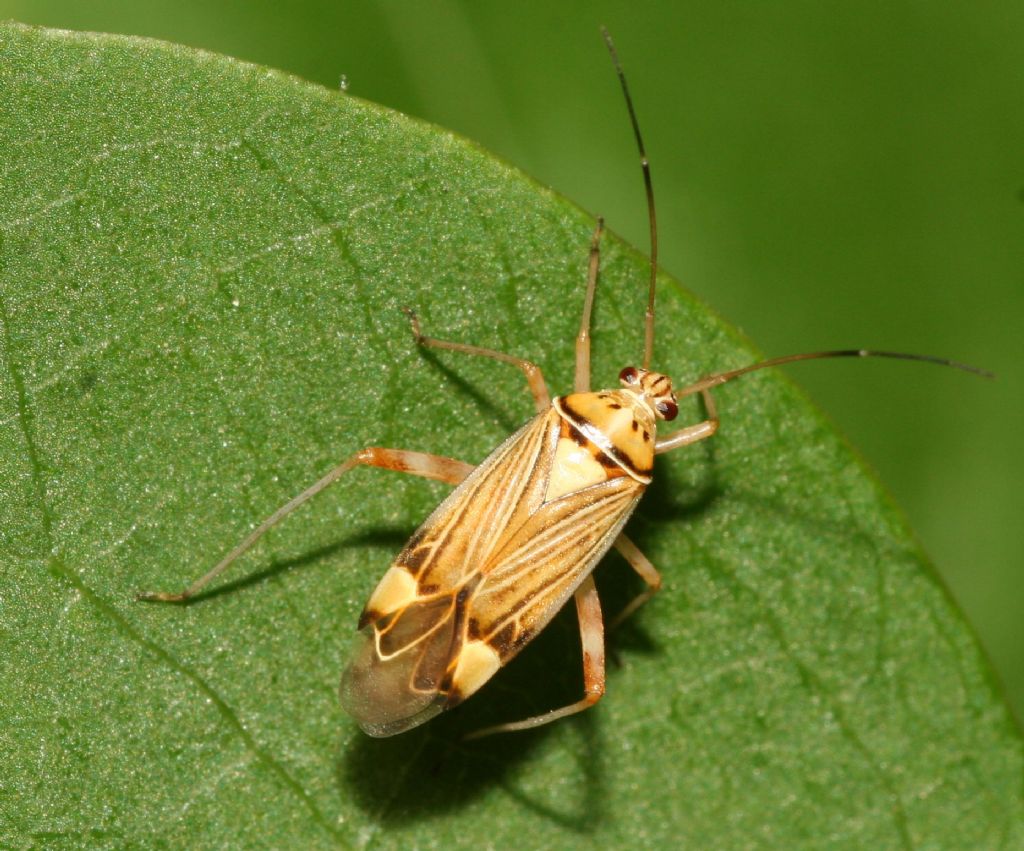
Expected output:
(828, 175)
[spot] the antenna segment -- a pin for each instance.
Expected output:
(721, 377)
(646, 166)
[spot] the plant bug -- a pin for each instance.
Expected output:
(522, 532)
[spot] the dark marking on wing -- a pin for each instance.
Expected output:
(367, 617)
(504, 640)
(412, 558)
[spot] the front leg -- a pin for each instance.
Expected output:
(691, 434)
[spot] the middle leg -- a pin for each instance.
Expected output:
(647, 571)
(691, 434)
(582, 382)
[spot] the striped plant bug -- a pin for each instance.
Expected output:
(522, 532)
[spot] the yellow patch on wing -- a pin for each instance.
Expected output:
(573, 468)
(396, 590)
(477, 663)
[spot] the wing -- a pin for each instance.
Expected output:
(408, 631)
(539, 567)
(486, 571)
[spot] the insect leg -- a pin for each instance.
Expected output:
(405, 461)
(691, 434)
(534, 377)
(642, 565)
(582, 384)
(588, 609)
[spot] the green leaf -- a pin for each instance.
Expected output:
(203, 265)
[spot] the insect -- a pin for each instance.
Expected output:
(522, 532)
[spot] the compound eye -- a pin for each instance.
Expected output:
(629, 376)
(668, 409)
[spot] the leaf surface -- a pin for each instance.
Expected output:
(201, 273)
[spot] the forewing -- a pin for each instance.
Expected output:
(540, 566)
(393, 677)
(462, 532)
(412, 631)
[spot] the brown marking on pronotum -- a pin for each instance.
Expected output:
(574, 434)
(609, 450)
(611, 469)
(570, 430)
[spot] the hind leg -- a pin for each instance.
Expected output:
(437, 467)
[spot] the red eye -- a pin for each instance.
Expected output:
(629, 375)
(668, 409)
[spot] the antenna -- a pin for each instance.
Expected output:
(721, 377)
(646, 166)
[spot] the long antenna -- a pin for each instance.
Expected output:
(646, 166)
(721, 377)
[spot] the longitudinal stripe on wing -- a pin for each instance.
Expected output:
(509, 496)
(487, 570)
(555, 530)
(451, 544)
(545, 560)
